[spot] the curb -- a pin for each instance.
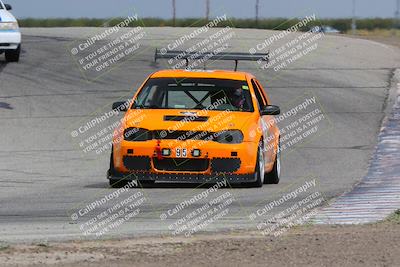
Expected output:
(378, 194)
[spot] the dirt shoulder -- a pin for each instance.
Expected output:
(364, 245)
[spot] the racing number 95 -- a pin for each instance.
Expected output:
(181, 153)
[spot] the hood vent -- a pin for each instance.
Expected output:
(185, 118)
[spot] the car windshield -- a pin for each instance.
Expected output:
(195, 93)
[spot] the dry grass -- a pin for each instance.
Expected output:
(378, 33)
(386, 36)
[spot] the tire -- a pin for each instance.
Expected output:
(114, 183)
(117, 183)
(13, 55)
(273, 176)
(259, 171)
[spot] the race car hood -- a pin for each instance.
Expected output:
(187, 120)
(6, 16)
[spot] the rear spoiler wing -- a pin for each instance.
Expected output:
(183, 55)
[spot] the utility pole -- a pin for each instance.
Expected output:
(207, 10)
(173, 13)
(397, 14)
(353, 21)
(257, 9)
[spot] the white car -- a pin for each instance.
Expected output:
(324, 29)
(10, 36)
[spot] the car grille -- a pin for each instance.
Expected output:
(183, 135)
(137, 163)
(225, 165)
(174, 164)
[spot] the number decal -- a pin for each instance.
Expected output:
(181, 153)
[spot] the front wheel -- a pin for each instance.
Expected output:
(273, 176)
(114, 183)
(259, 169)
(118, 183)
(13, 55)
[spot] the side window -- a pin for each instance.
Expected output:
(260, 101)
(262, 93)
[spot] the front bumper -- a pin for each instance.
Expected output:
(9, 39)
(138, 160)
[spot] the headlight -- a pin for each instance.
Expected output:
(137, 134)
(229, 137)
(8, 25)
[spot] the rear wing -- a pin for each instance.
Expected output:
(187, 56)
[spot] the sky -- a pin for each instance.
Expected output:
(196, 8)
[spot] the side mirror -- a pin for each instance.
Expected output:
(120, 106)
(8, 7)
(271, 110)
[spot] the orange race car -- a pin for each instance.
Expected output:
(197, 126)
